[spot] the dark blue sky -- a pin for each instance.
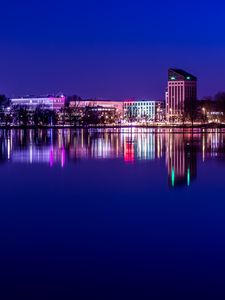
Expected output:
(111, 49)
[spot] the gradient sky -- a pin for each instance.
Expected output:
(109, 49)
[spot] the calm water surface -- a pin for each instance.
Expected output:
(115, 214)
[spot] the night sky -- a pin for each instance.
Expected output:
(109, 49)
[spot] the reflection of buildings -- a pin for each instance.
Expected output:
(213, 144)
(37, 147)
(142, 145)
(49, 146)
(130, 145)
(94, 144)
(181, 158)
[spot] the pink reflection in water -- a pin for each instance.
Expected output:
(51, 158)
(63, 157)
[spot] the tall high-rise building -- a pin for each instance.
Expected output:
(181, 95)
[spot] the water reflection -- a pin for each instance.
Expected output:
(179, 150)
(181, 158)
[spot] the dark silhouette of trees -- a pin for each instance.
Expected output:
(220, 101)
(90, 116)
(4, 101)
(131, 113)
(44, 117)
(97, 115)
(8, 119)
(74, 100)
(23, 116)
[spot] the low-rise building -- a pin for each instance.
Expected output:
(45, 102)
(145, 110)
(115, 104)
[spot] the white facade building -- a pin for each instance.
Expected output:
(144, 109)
(48, 102)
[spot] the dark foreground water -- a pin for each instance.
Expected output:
(135, 214)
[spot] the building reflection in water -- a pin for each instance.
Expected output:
(61, 146)
(142, 145)
(181, 158)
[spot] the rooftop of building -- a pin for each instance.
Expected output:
(101, 100)
(38, 97)
(179, 74)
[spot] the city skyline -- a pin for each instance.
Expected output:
(118, 50)
(112, 171)
(137, 97)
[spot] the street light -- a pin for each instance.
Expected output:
(204, 112)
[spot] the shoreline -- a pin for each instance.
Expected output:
(195, 126)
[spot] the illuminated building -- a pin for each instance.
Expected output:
(107, 104)
(117, 105)
(143, 110)
(139, 109)
(48, 102)
(181, 95)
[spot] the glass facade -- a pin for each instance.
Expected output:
(146, 110)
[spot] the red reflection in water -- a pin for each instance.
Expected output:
(129, 152)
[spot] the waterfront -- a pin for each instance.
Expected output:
(112, 214)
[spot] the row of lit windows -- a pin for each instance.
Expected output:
(182, 83)
(140, 105)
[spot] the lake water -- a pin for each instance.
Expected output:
(112, 214)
